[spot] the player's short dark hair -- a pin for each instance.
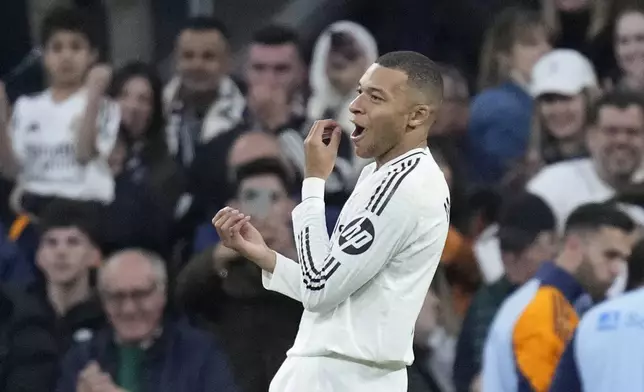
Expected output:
(422, 73)
(522, 218)
(207, 23)
(276, 34)
(63, 213)
(67, 19)
(595, 216)
(259, 167)
(621, 99)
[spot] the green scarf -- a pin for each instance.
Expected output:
(129, 372)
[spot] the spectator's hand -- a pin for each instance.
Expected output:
(4, 105)
(93, 379)
(321, 148)
(98, 80)
(237, 233)
(270, 104)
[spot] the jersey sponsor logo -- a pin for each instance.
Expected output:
(608, 321)
(356, 237)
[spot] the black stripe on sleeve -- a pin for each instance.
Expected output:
(380, 188)
(396, 173)
(399, 180)
(314, 279)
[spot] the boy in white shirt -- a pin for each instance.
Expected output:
(57, 142)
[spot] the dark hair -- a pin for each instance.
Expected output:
(636, 267)
(67, 19)
(276, 34)
(594, 216)
(205, 23)
(521, 220)
(422, 73)
(262, 166)
(62, 213)
(155, 146)
(618, 98)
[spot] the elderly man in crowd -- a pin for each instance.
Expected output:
(143, 351)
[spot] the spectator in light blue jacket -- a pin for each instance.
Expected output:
(501, 113)
(607, 351)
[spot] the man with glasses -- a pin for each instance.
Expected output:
(143, 350)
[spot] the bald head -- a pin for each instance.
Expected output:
(422, 73)
(133, 263)
(252, 146)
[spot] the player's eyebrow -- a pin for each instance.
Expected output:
(373, 89)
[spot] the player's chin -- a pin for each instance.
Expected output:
(363, 152)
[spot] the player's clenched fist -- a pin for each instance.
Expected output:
(321, 148)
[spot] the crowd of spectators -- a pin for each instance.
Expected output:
(112, 277)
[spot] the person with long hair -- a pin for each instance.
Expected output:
(500, 114)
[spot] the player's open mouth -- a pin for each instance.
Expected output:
(357, 133)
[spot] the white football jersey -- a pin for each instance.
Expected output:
(44, 134)
(363, 288)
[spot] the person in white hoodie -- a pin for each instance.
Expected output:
(342, 53)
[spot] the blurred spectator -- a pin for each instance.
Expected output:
(274, 75)
(142, 350)
(529, 332)
(15, 266)
(585, 26)
(202, 101)
(435, 335)
(564, 85)
(527, 237)
(629, 50)
(461, 269)
(148, 181)
(454, 112)
(605, 351)
(67, 255)
(341, 55)
(500, 115)
(275, 79)
(59, 140)
(222, 290)
(29, 353)
(615, 139)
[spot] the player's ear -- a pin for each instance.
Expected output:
(421, 114)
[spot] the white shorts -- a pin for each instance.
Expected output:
(324, 374)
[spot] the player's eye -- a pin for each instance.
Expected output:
(376, 98)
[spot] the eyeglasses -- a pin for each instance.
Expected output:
(137, 296)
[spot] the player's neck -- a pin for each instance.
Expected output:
(60, 93)
(398, 150)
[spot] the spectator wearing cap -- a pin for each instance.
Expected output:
(500, 114)
(527, 237)
(564, 86)
(67, 254)
(615, 140)
(607, 350)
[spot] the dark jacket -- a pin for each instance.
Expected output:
(78, 325)
(181, 359)
(28, 356)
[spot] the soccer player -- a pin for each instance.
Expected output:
(363, 288)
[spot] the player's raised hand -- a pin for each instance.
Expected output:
(321, 148)
(99, 79)
(237, 233)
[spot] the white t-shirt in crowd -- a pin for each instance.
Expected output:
(44, 135)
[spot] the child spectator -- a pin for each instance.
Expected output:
(57, 142)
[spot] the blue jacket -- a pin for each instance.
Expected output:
(498, 131)
(14, 266)
(181, 359)
(607, 351)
